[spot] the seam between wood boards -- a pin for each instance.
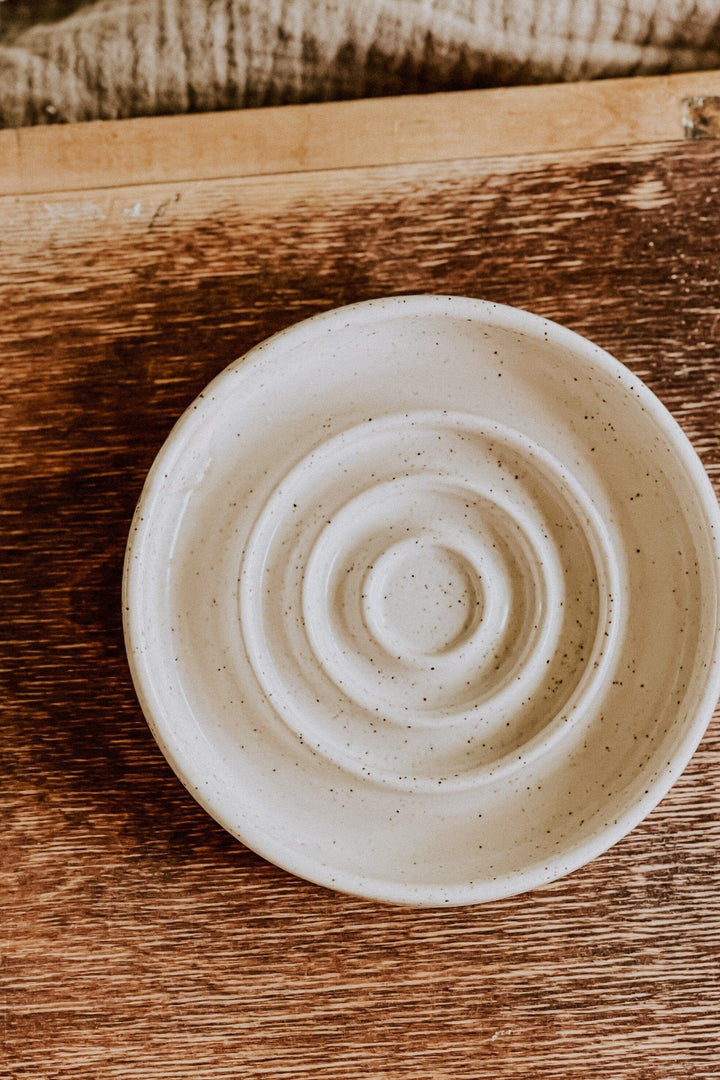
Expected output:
(539, 158)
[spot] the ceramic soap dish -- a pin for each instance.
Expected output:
(421, 600)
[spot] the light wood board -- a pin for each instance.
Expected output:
(383, 131)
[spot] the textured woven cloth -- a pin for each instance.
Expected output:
(63, 60)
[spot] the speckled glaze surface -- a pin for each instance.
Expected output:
(422, 600)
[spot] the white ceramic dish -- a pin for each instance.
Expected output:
(422, 600)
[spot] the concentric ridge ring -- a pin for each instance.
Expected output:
(429, 600)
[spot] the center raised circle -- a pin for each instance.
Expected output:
(421, 599)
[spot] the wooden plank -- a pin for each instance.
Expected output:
(142, 942)
(384, 131)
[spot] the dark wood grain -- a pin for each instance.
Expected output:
(141, 941)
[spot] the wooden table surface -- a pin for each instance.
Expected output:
(140, 940)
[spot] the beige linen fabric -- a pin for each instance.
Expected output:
(63, 60)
